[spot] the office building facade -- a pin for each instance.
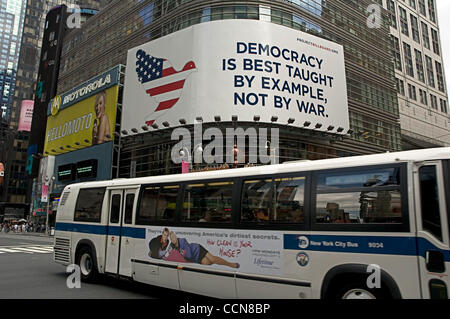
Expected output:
(419, 72)
(372, 101)
(17, 186)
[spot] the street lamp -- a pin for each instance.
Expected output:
(272, 152)
(185, 153)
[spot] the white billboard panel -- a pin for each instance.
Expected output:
(242, 68)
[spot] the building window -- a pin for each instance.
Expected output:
(422, 8)
(444, 106)
(400, 87)
(412, 92)
(440, 77)
(425, 35)
(433, 100)
(419, 65)
(396, 53)
(435, 40)
(412, 3)
(408, 59)
(423, 97)
(431, 10)
(415, 28)
(392, 15)
(403, 21)
(430, 71)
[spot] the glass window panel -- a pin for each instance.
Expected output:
(256, 200)
(167, 200)
(363, 178)
(115, 209)
(89, 205)
(429, 199)
(289, 201)
(363, 207)
(129, 208)
(208, 202)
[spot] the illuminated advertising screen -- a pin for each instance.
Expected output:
(83, 117)
(66, 172)
(249, 68)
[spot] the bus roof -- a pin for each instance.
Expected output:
(300, 166)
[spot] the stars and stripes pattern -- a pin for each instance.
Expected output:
(34, 249)
(160, 80)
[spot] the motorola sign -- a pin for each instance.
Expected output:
(249, 68)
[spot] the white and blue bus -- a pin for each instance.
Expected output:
(307, 229)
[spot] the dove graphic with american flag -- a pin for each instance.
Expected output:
(160, 80)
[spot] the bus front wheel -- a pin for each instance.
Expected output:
(86, 262)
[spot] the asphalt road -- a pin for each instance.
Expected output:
(27, 271)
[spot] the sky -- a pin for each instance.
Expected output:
(443, 9)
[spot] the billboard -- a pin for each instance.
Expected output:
(26, 115)
(249, 68)
(84, 116)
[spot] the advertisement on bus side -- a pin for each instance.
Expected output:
(259, 252)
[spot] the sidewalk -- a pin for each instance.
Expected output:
(32, 234)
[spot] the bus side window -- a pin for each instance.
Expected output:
(289, 200)
(280, 200)
(129, 208)
(167, 202)
(256, 200)
(360, 196)
(429, 199)
(115, 208)
(157, 203)
(89, 205)
(208, 202)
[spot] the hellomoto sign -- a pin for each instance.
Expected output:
(236, 68)
(84, 116)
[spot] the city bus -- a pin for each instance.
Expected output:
(363, 227)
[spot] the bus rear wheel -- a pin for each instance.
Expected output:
(360, 291)
(85, 261)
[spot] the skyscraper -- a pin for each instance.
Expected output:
(11, 19)
(419, 72)
(28, 53)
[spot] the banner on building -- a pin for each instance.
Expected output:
(26, 115)
(249, 68)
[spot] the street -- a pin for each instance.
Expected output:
(27, 271)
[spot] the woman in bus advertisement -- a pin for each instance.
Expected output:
(169, 247)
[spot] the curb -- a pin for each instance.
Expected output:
(27, 234)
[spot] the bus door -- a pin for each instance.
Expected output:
(432, 230)
(127, 239)
(114, 231)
